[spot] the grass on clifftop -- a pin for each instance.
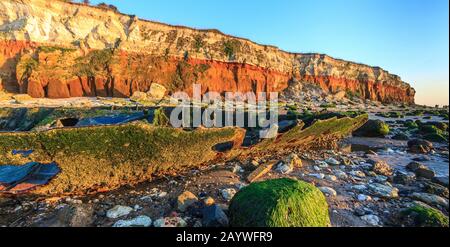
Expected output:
(279, 203)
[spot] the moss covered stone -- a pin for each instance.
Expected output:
(426, 216)
(373, 128)
(279, 203)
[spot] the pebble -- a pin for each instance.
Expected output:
(371, 219)
(284, 168)
(170, 222)
(228, 194)
(331, 178)
(332, 161)
(362, 198)
(317, 175)
(328, 191)
(358, 174)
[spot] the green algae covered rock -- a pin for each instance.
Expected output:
(279, 203)
(373, 128)
(423, 216)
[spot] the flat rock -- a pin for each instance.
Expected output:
(118, 211)
(140, 221)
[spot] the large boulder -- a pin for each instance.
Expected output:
(420, 146)
(279, 203)
(373, 128)
(157, 91)
(422, 215)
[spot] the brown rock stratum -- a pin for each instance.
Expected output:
(56, 49)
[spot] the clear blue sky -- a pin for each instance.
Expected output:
(409, 38)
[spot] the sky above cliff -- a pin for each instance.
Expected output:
(409, 38)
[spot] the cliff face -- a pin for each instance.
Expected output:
(56, 49)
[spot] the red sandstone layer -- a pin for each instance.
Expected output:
(131, 72)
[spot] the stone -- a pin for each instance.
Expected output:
(340, 174)
(294, 161)
(332, 161)
(381, 167)
(362, 198)
(425, 172)
(157, 91)
(436, 189)
(237, 169)
(69, 216)
(328, 191)
(140, 221)
(382, 190)
(331, 178)
(209, 201)
(420, 146)
(359, 187)
(118, 211)
(357, 173)
(170, 222)
(213, 216)
(430, 199)
(284, 168)
(269, 133)
(228, 193)
(260, 171)
(321, 164)
(373, 128)
(185, 200)
(405, 178)
(317, 175)
(441, 180)
(138, 96)
(413, 166)
(401, 136)
(371, 219)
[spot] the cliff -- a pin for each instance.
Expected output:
(57, 49)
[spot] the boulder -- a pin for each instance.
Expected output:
(422, 215)
(413, 166)
(279, 203)
(441, 180)
(425, 172)
(405, 178)
(213, 216)
(157, 91)
(420, 146)
(138, 96)
(381, 167)
(373, 128)
(430, 199)
(382, 190)
(185, 200)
